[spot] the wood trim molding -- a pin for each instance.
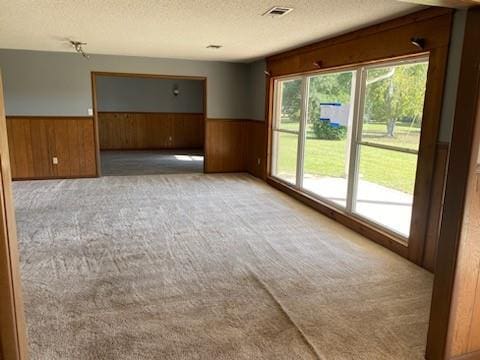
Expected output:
(150, 112)
(149, 76)
(355, 224)
(370, 30)
(462, 163)
(48, 117)
(390, 39)
(13, 342)
(436, 206)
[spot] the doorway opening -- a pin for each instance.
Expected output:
(149, 124)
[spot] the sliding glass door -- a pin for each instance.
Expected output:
(351, 138)
(286, 128)
(328, 132)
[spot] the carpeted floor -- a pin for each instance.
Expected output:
(151, 162)
(207, 267)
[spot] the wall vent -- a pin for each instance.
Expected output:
(278, 11)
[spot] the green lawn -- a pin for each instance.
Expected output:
(392, 169)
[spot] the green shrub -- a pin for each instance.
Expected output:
(324, 130)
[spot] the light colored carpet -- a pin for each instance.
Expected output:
(151, 162)
(207, 267)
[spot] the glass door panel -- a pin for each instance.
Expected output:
(285, 159)
(385, 184)
(328, 133)
(388, 144)
(286, 128)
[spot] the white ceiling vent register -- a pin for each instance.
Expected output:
(278, 11)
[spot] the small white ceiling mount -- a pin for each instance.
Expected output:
(78, 46)
(278, 11)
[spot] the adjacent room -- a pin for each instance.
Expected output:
(150, 125)
(240, 180)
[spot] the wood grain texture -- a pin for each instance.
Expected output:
(452, 323)
(143, 131)
(422, 196)
(387, 40)
(225, 145)
(34, 141)
(256, 148)
(13, 343)
(465, 332)
(436, 206)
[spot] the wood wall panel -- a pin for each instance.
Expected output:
(256, 151)
(454, 325)
(235, 145)
(387, 40)
(436, 207)
(141, 131)
(34, 141)
(225, 145)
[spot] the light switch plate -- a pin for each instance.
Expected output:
(90, 111)
(55, 160)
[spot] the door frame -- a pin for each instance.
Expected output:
(13, 337)
(93, 76)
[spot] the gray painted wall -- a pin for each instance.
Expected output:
(257, 90)
(453, 73)
(52, 83)
(149, 95)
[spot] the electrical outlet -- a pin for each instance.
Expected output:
(55, 160)
(258, 161)
(169, 138)
(90, 111)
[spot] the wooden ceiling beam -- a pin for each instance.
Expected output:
(457, 4)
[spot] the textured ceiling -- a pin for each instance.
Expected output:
(183, 29)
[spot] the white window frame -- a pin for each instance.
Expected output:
(355, 140)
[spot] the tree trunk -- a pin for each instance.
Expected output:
(391, 127)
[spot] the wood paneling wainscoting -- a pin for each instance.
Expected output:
(235, 145)
(35, 140)
(143, 131)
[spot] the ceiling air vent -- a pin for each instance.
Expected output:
(213, 46)
(278, 11)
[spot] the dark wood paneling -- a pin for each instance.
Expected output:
(387, 40)
(256, 148)
(453, 283)
(436, 206)
(128, 130)
(225, 145)
(465, 319)
(34, 141)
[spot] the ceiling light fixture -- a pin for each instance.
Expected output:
(78, 46)
(278, 11)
